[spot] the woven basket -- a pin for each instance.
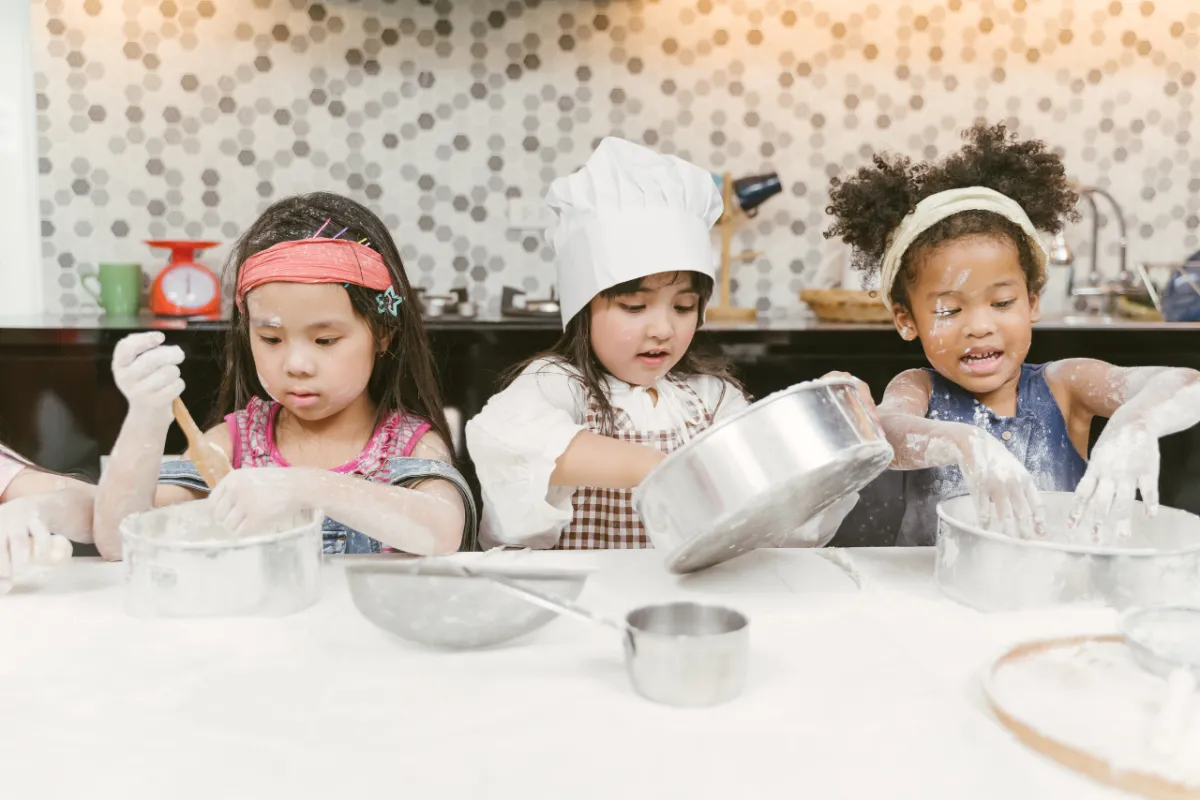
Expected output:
(846, 305)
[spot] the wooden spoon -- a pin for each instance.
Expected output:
(210, 460)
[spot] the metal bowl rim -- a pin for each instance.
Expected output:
(742, 619)
(239, 543)
(414, 567)
(1060, 547)
(799, 388)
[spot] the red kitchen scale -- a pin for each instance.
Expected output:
(184, 288)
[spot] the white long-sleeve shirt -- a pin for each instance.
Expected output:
(521, 432)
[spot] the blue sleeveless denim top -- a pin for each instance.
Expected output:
(1037, 436)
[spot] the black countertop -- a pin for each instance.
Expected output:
(791, 324)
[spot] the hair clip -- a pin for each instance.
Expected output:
(343, 230)
(388, 301)
(323, 224)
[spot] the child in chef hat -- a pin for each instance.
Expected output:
(35, 503)
(330, 396)
(559, 450)
(957, 248)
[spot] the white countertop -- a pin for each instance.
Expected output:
(855, 693)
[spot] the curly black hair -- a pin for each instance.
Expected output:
(871, 204)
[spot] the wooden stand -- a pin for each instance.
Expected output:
(722, 311)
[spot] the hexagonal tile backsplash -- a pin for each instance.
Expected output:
(185, 118)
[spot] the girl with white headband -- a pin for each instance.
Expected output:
(559, 450)
(957, 248)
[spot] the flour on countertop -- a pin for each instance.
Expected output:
(1094, 697)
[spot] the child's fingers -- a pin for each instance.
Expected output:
(1022, 511)
(1100, 506)
(134, 345)
(158, 379)
(18, 551)
(169, 392)
(1034, 498)
(39, 540)
(1083, 495)
(5, 561)
(1122, 510)
(983, 508)
(1002, 511)
(220, 500)
(234, 522)
(149, 364)
(1148, 486)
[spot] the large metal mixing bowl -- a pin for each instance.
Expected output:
(754, 479)
(1158, 564)
(181, 563)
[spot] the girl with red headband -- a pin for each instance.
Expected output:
(328, 372)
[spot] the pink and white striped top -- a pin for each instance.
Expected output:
(253, 433)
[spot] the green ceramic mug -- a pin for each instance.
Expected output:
(117, 288)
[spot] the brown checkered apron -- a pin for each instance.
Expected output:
(604, 518)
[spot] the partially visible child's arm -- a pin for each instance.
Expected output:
(1003, 489)
(62, 503)
(531, 449)
(33, 505)
(594, 460)
(148, 375)
(426, 519)
(1143, 404)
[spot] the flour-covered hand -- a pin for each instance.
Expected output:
(251, 500)
(1124, 461)
(147, 373)
(1005, 495)
(25, 540)
(860, 386)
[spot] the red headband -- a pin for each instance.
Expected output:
(313, 261)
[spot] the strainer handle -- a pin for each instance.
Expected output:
(555, 604)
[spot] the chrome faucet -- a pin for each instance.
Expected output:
(1095, 286)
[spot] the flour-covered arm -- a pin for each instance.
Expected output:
(1003, 490)
(147, 373)
(426, 519)
(66, 509)
(33, 506)
(1143, 404)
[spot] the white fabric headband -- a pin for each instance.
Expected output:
(937, 207)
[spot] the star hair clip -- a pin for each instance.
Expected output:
(389, 301)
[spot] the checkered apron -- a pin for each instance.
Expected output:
(604, 518)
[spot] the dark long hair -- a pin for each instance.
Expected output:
(404, 376)
(574, 348)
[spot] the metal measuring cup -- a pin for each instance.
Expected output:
(678, 654)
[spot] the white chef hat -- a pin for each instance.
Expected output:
(628, 213)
